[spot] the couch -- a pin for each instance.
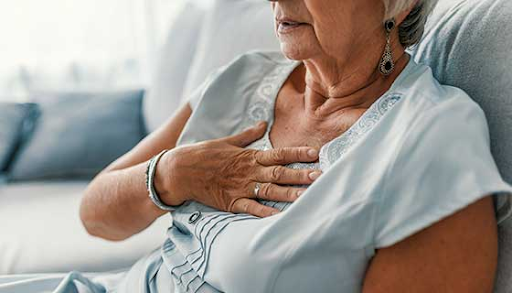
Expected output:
(41, 230)
(467, 43)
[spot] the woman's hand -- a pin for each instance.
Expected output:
(223, 174)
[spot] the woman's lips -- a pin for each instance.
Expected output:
(287, 26)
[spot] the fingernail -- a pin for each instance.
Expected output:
(312, 153)
(260, 124)
(275, 213)
(299, 193)
(314, 175)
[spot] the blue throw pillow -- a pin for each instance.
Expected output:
(76, 135)
(12, 120)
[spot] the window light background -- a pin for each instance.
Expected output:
(80, 44)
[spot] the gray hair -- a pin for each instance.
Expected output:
(411, 29)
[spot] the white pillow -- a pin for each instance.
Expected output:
(231, 27)
(173, 63)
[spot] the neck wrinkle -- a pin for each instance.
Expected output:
(360, 95)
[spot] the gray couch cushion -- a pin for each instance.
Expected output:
(12, 118)
(468, 45)
(77, 135)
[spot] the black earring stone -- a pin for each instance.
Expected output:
(388, 66)
(389, 24)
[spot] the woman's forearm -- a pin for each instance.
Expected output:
(219, 173)
(116, 204)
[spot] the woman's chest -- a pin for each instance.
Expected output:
(294, 126)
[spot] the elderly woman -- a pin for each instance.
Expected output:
(344, 167)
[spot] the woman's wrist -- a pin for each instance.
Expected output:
(163, 176)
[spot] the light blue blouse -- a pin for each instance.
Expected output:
(420, 153)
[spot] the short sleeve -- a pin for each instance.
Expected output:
(196, 95)
(443, 165)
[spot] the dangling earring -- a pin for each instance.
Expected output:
(387, 65)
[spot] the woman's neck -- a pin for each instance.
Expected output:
(329, 90)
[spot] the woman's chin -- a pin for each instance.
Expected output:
(298, 44)
(294, 51)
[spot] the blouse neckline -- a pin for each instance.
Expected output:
(341, 143)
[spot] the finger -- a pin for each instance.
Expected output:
(274, 192)
(250, 206)
(287, 155)
(285, 175)
(247, 136)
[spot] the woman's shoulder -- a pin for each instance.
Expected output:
(424, 97)
(238, 76)
(246, 69)
(442, 161)
(255, 60)
(265, 56)
(232, 93)
(250, 67)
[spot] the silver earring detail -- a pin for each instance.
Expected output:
(387, 65)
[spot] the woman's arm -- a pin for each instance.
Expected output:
(220, 173)
(457, 254)
(115, 204)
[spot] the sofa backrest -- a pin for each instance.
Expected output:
(200, 42)
(172, 66)
(231, 28)
(468, 45)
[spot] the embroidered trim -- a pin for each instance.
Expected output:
(336, 148)
(262, 106)
(262, 102)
